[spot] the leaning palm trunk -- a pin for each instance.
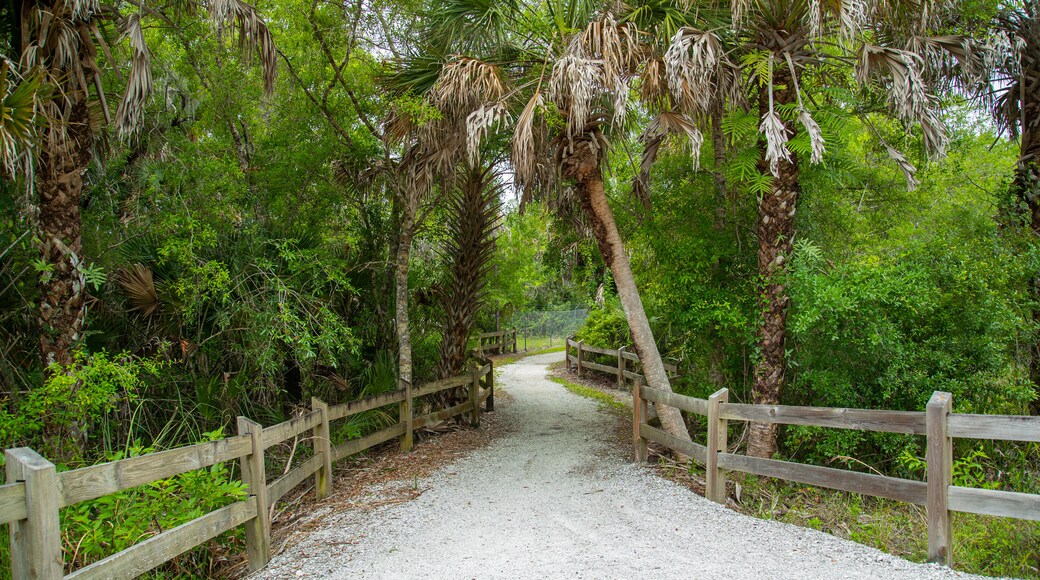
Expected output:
(63, 159)
(583, 165)
(474, 213)
(775, 230)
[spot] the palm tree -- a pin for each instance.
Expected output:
(474, 215)
(60, 40)
(558, 59)
(1017, 111)
(781, 43)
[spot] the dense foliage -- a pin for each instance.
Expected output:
(246, 243)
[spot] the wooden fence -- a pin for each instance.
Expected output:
(937, 423)
(620, 361)
(500, 342)
(35, 492)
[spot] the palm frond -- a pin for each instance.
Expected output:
(667, 123)
(479, 122)
(138, 92)
(691, 65)
(524, 145)
(138, 284)
(574, 84)
(253, 34)
(466, 84)
(18, 118)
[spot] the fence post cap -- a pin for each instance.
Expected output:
(940, 398)
(722, 393)
(28, 458)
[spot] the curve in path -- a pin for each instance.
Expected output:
(556, 497)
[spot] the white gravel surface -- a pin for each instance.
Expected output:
(555, 497)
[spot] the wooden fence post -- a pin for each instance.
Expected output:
(939, 456)
(489, 404)
(639, 416)
(621, 367)
(406, 416)
(581, 358)
(36, 541)
(567, 351)
(718, 431)
(323, 445)
(474, 397)
(258, 529)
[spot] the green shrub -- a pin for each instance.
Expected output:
(74, 405)
(606, 327)
(93, 530)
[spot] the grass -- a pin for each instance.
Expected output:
(512, 358)
(981, 544)
(610, 403)
(539, 342)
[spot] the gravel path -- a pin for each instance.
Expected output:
(556, 498)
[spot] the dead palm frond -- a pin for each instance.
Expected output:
(139, 85)
(524, 145)
(479, 122)
(139, 285)
(466, 84)
(667, 123)
(1014, 57)
(908, 94)
(691, 65)
(576, 81)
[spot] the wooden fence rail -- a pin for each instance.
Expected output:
(618, 367)
(35, 492)
(500, 342)
(937, 423)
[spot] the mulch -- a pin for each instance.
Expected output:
(377, 477)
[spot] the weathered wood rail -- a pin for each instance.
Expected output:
(36, 491)
(620, 359)
(938, 423)
(500, 342)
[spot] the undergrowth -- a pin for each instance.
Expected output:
(981, 544)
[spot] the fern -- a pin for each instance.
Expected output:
(740, 127)
(743, 165)
(760, 184)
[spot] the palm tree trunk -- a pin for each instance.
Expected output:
(1026, 189)
(59, 181)
(474, 211)
(775, 230)
(593, 198)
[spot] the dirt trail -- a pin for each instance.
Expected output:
(556, 497)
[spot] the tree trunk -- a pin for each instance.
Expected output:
(404, 335)
(775, 230)
(474, 213)
(59, 182)
(583, 165)
(1026, 190)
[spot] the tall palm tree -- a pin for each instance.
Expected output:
(567, 67)
(781, 44)
(1017, 111)
(473, 217)
(61, 41)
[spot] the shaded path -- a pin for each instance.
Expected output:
(556, 497)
